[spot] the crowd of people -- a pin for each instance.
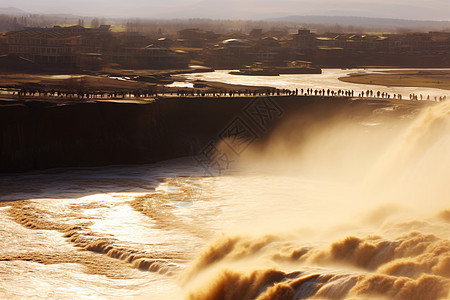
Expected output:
(186, 92)
(428, 98)
(303, 92)
(86, 94)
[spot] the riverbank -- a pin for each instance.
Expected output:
(37, 134)
(109, 79)
(328, 80)
(439, 79)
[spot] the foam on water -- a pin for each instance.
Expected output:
(352, 211)
(382, 235)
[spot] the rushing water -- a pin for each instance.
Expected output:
(358, 211)
(327, 80)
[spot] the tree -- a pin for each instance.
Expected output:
(95, 23)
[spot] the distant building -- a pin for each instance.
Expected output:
(256, 33)
(57, 47)
(148, 57)
(78, 47)
(230, 53)
(3, 44)
(153, 56)
(195, 38)
(165, 42)
(47, 48)
(268, 51)
(304, 39)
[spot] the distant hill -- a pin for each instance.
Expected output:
(366, 22)
(12, 11)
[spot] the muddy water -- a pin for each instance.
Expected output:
(281, 224)
(329, 79)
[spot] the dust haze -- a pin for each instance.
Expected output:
(356, 210)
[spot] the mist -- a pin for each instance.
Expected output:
(232, 9)
(351, 210)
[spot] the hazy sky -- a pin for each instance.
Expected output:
(239, 9)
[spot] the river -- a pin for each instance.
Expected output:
(329, 79)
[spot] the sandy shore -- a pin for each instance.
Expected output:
(71, 81)
(439, 79)
(123, 80)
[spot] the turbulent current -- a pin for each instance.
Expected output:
(355, 210)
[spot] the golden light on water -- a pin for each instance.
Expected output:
(351, 210)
